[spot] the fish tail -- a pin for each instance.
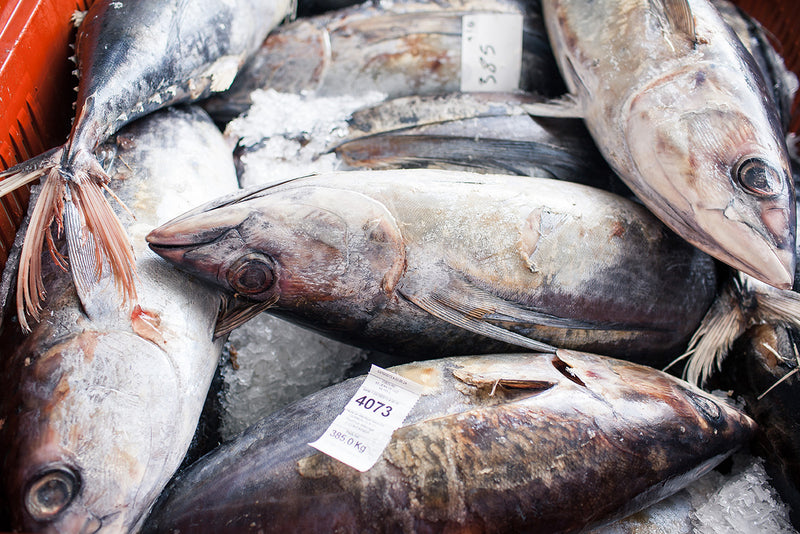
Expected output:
(30, 287)
(726, 320)
(104, 238)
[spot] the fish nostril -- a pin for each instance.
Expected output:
(565, 369)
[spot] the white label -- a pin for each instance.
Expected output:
(362, 431)
(491, 51)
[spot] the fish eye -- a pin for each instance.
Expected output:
(759, 177)
(706, 406)
(251, 274)
(50, 493)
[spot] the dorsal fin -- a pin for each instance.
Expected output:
(681, 20)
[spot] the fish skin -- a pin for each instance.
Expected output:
(132, 58)
(107, 404)
(679, 122)
(762, 357)
(482, 132)
(782, 82)
(442, 262)
(403, 48)
(605, 439)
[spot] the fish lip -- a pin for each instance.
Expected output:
(780, 275)
(164, 238)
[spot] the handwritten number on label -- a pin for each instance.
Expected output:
(487, 79)
(486, 49)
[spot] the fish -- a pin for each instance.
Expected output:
(132, 58)
(782, 82)
(680, 110)
(499, 443)
(445, 262)
(480, 132)
(743, 303)
(98, 412)
(762, 371)
(403, 48)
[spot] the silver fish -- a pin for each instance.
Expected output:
(782, 82)
(680, 110)
(98, 412)
(442, 262)
(501, 443)
(482, 132)
(401, 48)
(132, 58)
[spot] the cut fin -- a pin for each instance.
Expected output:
(743, 303)
(77, 18)
(20, 175)
(681, 20)
(566, 106)
(723, 323)
(235, 311)
(30, 287)
(147, 325)
(492, 381)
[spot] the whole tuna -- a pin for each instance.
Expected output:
(401, 48)
(133, 57)
(97, 412)
(443, 262)
(680, 110)
(502, 443)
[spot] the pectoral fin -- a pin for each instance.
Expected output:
(236, 311)
(566, 107)
(439, 305)
(463, 304)
(681, 20)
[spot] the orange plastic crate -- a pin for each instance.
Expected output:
(36, 90)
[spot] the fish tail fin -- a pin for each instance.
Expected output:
(96, 236)
(72, 197)
(726, 320)
(30, 287)
(28, 171)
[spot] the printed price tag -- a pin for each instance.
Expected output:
(491, 51)
(359, 434)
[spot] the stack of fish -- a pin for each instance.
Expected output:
(111, 351)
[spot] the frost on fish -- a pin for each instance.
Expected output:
(398, 48)
(133, 58)
(444, 262)
(553, 448)
(680, 110)
(103, 408)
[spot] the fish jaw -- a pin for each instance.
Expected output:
(696, 163)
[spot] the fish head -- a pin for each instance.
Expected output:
(317, 252)
(688, 416)
(717, 168)
(70, 466)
